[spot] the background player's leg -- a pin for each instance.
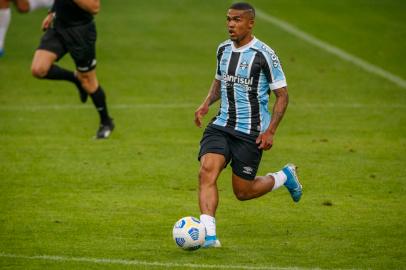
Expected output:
(41, 64)
(88, 80)
(43, 67)
(210, 167)
(5, 17)
(91, 85)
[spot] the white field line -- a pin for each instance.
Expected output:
(331, 49)
(148, 263)
(55, 107)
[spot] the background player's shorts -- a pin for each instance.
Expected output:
(242, 151)
(79, 41)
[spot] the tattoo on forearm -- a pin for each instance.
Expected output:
(214, 95)
(278, 110)
(277, 116)
(215, 92)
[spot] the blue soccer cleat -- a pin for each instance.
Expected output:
(1, 52)
(292, 183)
(211, 242)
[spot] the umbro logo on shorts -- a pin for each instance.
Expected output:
(247, 170)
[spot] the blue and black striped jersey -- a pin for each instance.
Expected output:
(247, 75)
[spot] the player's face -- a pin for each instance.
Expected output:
(239, 24)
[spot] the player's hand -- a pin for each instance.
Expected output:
(199, 113)
(265, 140)
(46, 23)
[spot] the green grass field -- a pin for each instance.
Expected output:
(73, 200)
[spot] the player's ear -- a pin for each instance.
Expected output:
(251, 23)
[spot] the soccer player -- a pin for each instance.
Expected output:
(70, 29)
(23, 6)
(247, 71)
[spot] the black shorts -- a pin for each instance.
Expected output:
(79, 41)
(235, 146)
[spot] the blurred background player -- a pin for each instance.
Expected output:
(70, 29)
(247, 70)
(23, 6)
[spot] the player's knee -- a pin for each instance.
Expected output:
(242, 192)
(89, 83)
(84, 82)
(242, 195)
(39, 71)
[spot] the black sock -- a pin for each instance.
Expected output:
(99, 101)
(58, 73)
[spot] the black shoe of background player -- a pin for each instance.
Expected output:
(105, 130)
(82, 93)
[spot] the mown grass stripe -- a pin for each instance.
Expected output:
(187, 105)
(332, 49)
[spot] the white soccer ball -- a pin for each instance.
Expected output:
(189, 233)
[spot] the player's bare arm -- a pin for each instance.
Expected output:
(91, 6)
(46, 23)
(214, 93)
(265, 140)
(212, 97)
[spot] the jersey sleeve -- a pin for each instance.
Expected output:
(217, 76)
(219, 55)
(273, 71)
